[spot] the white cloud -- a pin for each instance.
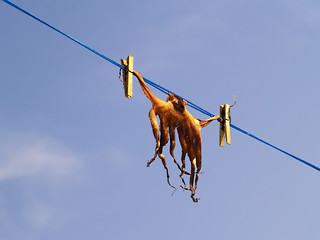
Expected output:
(40, 159)
(23, 156)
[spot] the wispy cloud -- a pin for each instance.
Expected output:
(23, 156)
(37, 159)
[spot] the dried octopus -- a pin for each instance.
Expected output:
(174, 115)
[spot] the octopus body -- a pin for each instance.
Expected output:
(174, 115)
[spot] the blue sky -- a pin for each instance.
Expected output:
(73, 149)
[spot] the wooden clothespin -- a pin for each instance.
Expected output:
(127, 75)
(225, 124)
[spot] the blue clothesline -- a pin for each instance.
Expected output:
(160, 88)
